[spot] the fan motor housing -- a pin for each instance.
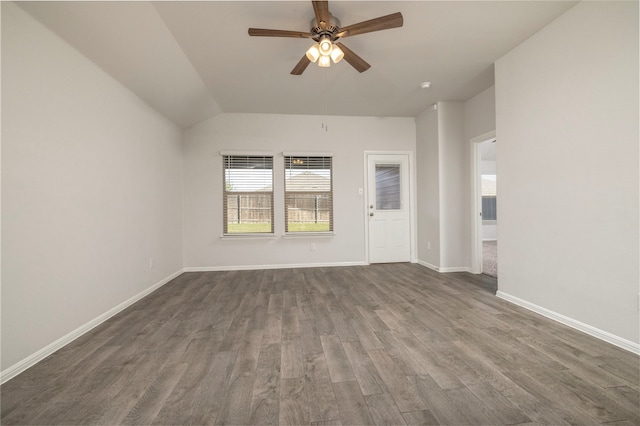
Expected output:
(317, 32)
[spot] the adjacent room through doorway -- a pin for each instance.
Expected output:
(489, 208)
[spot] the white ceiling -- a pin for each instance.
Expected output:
(193, 60)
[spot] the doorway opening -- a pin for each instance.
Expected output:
(484, 202)
(488, 196)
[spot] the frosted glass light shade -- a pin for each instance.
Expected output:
(324, 61)
(325, 46)
(313, 53)
(337, 54)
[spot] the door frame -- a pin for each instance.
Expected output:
(412, 204)
(476, 200)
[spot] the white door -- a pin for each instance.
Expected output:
(388, 208)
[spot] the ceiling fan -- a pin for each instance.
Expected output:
(325, 31)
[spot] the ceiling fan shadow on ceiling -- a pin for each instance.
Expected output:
(325, 31)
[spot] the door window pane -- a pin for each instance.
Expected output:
(388, 187)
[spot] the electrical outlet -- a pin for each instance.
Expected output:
(151, 263)
(428, 245)
(313, 247)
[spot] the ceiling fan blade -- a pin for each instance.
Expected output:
(261, 32)
(386, 22)
(356, 61)
(321, 9)
(301, 66)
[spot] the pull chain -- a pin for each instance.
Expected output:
(324, 84)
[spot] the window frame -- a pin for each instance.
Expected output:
(267, 159)
(309, 158)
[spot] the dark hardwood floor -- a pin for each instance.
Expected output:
(381, 344)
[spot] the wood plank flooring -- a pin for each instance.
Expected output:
(381, 344)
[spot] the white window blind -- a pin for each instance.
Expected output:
(388, 191)
(247, 194)
(308, 193)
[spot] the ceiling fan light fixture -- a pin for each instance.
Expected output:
(325, 30)
(336, 54)
(325, 46)
(324, 61)
(313, 53)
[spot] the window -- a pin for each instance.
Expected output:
(247, 194)
(308, 194)
(489, 208)
(388, 187)
(489, 197)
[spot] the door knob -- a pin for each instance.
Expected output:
(371, 214)
(370, 206)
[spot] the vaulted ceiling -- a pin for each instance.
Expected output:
(193, 60)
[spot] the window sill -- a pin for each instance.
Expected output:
(248, 236)
(309, 235)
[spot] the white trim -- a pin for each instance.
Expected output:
(279, 266)
(455, 269)
(484, 137)
(307, 154)
(445, 269)
(248, 153)
(365, 210)
(580, 326)
(248, 236)
(413, 207)
(428, 265)
(476, 219)
(388, 153)
(413, 184)
(38, 356)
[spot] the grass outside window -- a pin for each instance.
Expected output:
(248, 228)
(309, 227)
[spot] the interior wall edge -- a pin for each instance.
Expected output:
(575, 324)
(21, 366)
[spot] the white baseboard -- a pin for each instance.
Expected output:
(445, 269)
(279, 266)
(455, 269)
(33, 359)
(585, 328)
(428, 265)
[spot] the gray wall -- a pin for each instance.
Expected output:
(567, 129)
(91, 189)
(347, 139)
(443, 152)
